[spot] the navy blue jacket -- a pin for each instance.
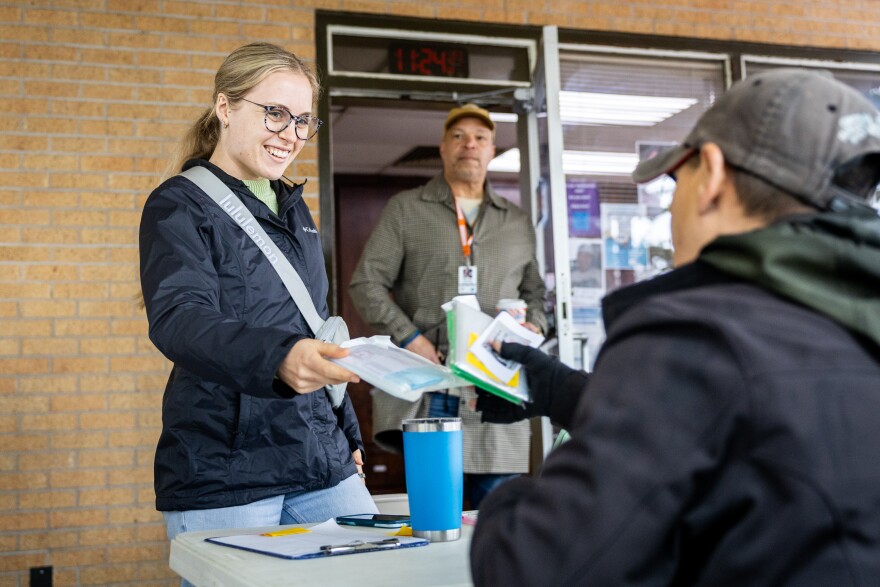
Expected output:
(232, 433)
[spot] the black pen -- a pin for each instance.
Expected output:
(359, 545)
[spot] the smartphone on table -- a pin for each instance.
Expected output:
(374, 520)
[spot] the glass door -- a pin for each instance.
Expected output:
(388, 91)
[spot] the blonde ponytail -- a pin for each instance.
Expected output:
(240, 72)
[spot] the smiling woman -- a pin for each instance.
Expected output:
(257, 139)
(249, 435)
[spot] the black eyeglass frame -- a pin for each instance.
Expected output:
(293, 119)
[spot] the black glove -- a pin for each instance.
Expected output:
(555, 388)
(496, 410)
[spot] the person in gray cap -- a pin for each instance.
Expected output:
(453, 236)
(730, 431)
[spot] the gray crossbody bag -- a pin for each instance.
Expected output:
(334, 328)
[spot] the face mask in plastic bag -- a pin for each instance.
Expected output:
(397, 371)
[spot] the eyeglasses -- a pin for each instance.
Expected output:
(278, 118)
(672, 173)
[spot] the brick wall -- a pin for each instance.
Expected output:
(93, 94)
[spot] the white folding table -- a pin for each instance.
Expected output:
(212, 565)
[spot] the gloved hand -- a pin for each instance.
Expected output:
(496, 410)
(555, 388)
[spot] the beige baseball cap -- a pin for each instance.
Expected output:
(471, 110)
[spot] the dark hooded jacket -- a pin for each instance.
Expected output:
(232, 433)
(730, 431)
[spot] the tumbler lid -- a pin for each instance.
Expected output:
(432, 425)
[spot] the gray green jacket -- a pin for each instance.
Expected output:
(827, 262)
(414, 253)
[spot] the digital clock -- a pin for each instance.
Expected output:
(428, 60)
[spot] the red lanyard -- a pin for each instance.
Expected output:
(466, 239)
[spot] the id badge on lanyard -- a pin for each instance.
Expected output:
(467, 274)
(467, 279)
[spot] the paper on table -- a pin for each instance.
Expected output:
(397, 371)
(504, 328)
(308, 545)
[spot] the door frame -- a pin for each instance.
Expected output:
(452, 90)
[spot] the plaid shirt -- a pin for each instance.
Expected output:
(414, 252)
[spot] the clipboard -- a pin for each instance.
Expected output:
(321, 541)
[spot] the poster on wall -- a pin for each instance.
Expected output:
(587, 318)
(587, 283)
(655, 195)
(624, 248)
(585, 257)
(583, 209)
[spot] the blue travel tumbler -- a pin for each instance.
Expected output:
(434, 462)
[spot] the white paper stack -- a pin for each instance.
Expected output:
(471, 357)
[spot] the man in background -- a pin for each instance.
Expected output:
(452, 236)
(729, 433)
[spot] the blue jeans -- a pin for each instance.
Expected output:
(349, 497)
(476, 485)
(442, 405)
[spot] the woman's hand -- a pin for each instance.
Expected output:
(359, 463)
(306, 370)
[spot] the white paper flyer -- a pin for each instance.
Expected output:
(504, 328)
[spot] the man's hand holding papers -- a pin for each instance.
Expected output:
(555, 388)
(504, 328)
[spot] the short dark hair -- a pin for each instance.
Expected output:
(762, 199)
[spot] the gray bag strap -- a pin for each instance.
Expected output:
(229, 203)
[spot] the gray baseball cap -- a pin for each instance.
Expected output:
(800, 130)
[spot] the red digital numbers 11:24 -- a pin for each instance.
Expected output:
(428, 60)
